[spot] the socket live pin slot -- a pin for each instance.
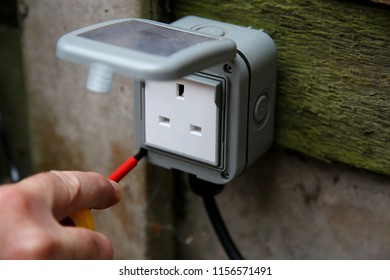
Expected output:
(196, 130)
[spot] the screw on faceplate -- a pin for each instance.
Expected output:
(225, 175)
(228, 68)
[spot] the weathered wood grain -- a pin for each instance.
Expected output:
(333, 95)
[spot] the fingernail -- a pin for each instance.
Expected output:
(114, 184)
(118, 190)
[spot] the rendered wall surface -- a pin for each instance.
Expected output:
(71, 128)
(288, 206)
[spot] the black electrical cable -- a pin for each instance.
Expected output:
(208, 191)
(13, 171)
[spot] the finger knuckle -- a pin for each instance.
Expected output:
(71, 181)
(15, 199)
(35, 244)
(104, 248)
(101, 180)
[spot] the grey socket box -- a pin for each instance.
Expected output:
(248, 103)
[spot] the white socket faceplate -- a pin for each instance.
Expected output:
(183, 117)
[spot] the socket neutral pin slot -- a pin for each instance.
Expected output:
(164, 121)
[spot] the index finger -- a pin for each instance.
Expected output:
(69, 191)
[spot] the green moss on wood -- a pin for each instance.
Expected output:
(333, 96)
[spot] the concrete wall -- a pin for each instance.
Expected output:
(288, 206)
(71, 128)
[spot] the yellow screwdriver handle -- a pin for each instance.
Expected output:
(82, 218)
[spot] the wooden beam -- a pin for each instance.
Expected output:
(333, 95)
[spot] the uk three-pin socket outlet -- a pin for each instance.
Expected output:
(204, 94)
(216, 122)
(183, 117)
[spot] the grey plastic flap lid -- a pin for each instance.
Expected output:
(145, 49)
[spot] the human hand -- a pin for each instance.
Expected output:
(31, 209)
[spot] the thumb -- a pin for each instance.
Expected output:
(65, 192)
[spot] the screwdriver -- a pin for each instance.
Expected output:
(83, 218)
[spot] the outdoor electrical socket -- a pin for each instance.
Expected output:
(184, 117)
(204, 94)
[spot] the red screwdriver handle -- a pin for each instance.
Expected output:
(83, 218)
(123, 169)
